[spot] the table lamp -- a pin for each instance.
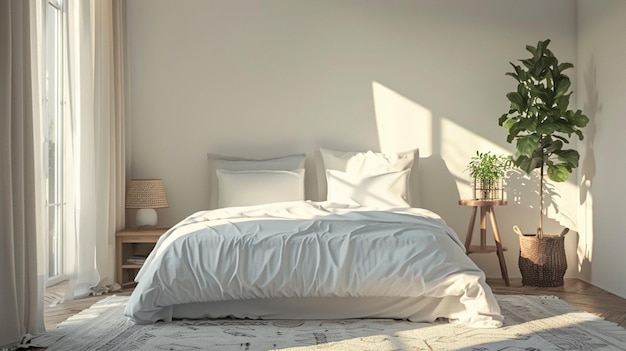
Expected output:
(146, 195)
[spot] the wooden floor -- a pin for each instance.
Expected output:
(583, 296)
(577, 293)
(56, 311)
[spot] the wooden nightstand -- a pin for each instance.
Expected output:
(486, 208)
(131, 245)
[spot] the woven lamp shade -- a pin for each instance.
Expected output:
(146, 193)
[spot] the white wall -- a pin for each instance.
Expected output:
(601, 72)
(272, 77)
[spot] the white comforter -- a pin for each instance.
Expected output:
(309, 249)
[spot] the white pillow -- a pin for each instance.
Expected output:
(246, 188)
(283, 163)
(382, 190)
(367, 164)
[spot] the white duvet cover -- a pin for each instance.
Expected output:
(311, 250)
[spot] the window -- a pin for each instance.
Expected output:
(53, 126)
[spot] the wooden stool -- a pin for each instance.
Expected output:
(486, 207)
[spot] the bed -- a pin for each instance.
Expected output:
(364, 252)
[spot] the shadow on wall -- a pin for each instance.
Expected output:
(523, 190)
(437, 186)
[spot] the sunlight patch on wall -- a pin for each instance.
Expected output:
(585, 233)
(458, 145)
(564, 207)
(402, 123)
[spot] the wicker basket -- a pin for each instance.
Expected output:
(542, 262)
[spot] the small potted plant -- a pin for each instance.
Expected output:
(487, 171)
(540, 124)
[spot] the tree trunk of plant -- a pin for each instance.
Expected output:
(540, 229)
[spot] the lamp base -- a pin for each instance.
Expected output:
(146, 217)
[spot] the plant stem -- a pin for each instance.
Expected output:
(540, 229)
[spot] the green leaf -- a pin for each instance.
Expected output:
(553, 146)
(538, 52)
(513, 75)
(516, 128)
(509, 124)
(543, 46)
(536, 161)
(566, 128)
(565, 65)
(558, 173)
(523, 75)
(527, 164)
(538, 69)
(527, 145)
(551, 62)
(529, 64)
(522, 90)
(520, 74)
(549, 84)
(528, 124)
(580, 134)
(561, 138)
(569, 157)
(510, 138)
(562, 86)
(503, 118)
(563, 102)
(579, 119)
(517, 102)
(523, 163)
(547, 128)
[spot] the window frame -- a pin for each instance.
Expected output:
(53, 126)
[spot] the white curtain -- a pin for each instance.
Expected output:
(97, 150)
(22, 211)
(96, 171)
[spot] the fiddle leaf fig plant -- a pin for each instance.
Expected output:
(539, 120)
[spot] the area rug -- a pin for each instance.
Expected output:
(532, 323)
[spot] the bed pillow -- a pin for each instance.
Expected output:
(283, 163)
(367, 164)
(382, 190)
(246, 188)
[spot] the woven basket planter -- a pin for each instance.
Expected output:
(542, 262)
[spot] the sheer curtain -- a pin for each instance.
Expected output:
(22, 212)
(96, 173)
(97, 150)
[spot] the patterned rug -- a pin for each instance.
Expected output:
(532, 323)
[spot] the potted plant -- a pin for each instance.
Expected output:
(540, 123)
(487, 171)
